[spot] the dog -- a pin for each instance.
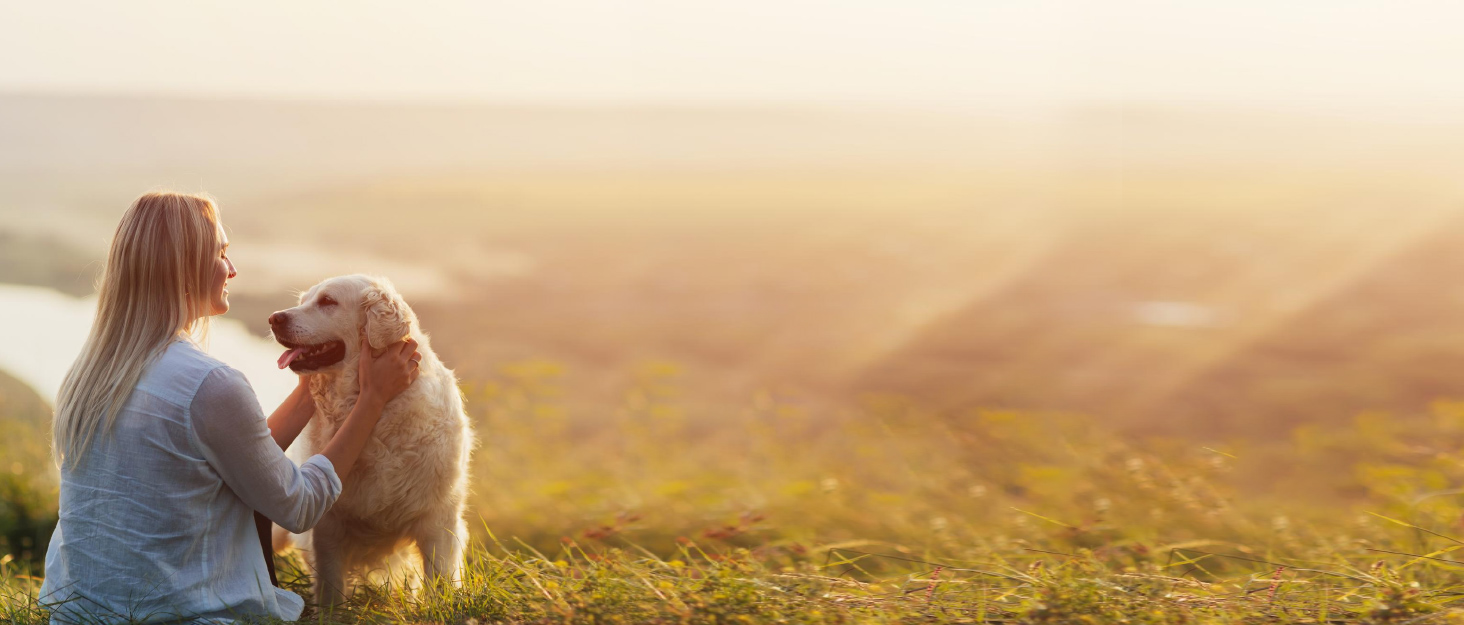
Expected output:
(410, 483)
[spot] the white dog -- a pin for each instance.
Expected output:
(411, 481)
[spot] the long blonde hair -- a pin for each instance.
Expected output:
(156, 287)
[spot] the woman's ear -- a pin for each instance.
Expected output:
(386, 318)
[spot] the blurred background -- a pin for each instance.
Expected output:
(694, 224)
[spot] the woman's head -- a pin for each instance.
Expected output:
(167, 257)
(165, 275)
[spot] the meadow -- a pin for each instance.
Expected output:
(885, 512)
(759, 366)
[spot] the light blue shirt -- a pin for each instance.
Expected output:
(157, 520)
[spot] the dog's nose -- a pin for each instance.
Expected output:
(278, 318)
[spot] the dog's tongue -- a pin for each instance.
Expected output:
(290, 356)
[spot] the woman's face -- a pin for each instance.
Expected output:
(223, 270)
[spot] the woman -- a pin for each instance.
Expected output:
(164, 451)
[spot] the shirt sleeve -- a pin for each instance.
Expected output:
(235, 439)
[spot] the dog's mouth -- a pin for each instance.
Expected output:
(307, 357)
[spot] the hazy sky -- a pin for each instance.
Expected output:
(1336, 55)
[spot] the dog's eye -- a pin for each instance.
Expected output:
(325, 300)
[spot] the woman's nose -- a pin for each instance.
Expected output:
(232, 272)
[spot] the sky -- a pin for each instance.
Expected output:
(1322, 55)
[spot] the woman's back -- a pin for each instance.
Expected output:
(149, 528)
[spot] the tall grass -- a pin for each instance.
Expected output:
(659, 509)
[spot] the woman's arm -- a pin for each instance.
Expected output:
(231, 432)
(232, 436)
(290, 418)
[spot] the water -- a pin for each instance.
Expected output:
(46, 329)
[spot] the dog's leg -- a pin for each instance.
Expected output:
(442, 546)
(329, 557)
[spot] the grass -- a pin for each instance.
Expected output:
(781, 511)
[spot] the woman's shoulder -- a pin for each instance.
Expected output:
(224, 402)
(222, 383)
(181, 370)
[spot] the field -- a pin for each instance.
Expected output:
(892, 513)
(805, 367)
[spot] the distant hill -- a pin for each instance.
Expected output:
(1391, 338)
(20, 402)
(305, 141)
(46, 260)
(1174, 271)
(1227, 324)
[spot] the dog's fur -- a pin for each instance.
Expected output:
(410, 482)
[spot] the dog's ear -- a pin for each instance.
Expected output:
(386, 318)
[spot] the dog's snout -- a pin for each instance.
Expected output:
(278, 319)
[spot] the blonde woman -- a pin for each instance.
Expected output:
(164, 451)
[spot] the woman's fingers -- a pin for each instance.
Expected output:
(408, 347)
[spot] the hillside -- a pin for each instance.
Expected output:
(19, 402)
(1174, 272)
(1219, 323)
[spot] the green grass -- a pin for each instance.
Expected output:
(888, 512)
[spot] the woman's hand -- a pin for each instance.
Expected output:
(385, 375)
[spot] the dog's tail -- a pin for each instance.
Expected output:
(281, 539)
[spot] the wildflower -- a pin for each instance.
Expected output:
(934, 579)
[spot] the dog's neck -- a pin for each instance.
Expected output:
(335, 392)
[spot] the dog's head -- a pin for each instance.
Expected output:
(325, 330)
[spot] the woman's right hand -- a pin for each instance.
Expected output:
(385, 375)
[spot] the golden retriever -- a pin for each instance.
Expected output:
(410, 483)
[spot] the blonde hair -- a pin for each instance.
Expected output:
(156, 287)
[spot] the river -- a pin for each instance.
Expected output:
(47, 329)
